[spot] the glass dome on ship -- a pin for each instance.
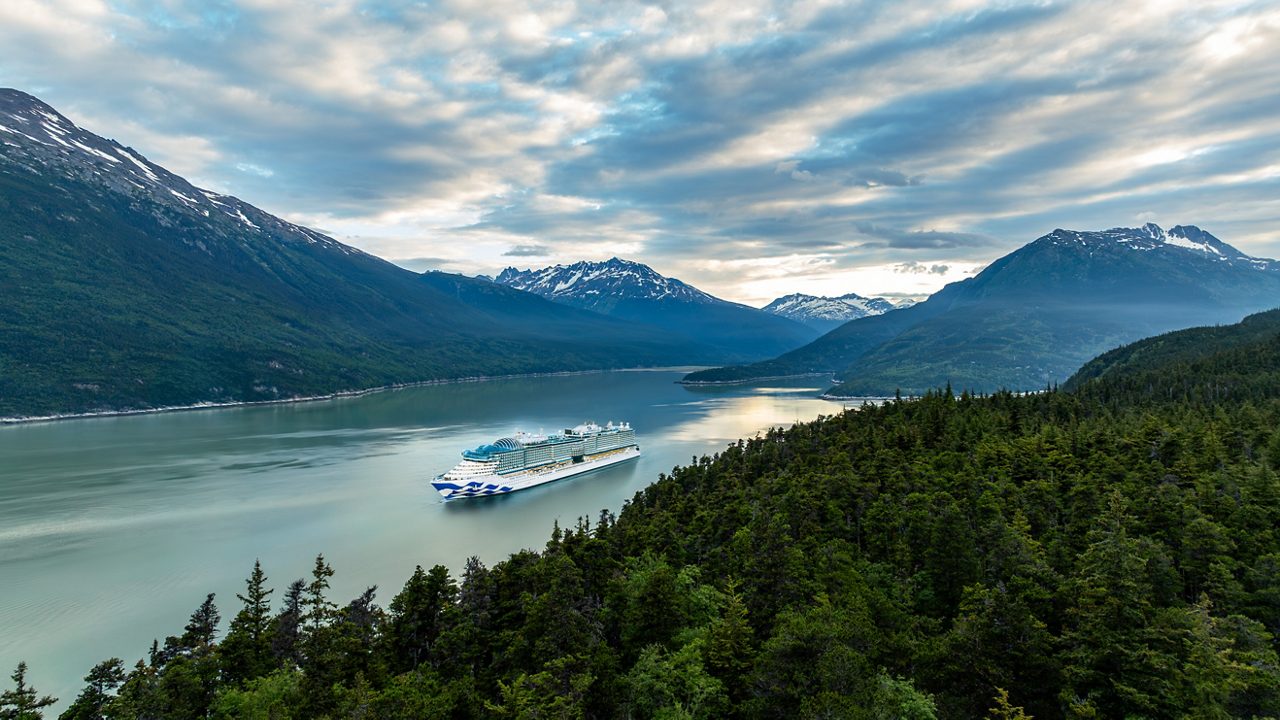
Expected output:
(526, 460)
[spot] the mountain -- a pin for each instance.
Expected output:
(126, 287)
(825, 314)
(1034, 316)
(636, 292)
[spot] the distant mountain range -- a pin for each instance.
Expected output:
(126, 287)
(636, 292)
(1034, 316)
(825, 314)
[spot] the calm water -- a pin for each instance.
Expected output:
(113, 529)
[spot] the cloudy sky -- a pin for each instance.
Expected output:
(752, 147)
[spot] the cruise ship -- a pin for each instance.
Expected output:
(526, 460)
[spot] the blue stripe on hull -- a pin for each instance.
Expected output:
(471, 489)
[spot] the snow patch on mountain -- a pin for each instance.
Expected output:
(613, 278)
(39, 139)
(810, 308)
(1153, 238)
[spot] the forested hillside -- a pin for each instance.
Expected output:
(1105, 552)
(1216, 363)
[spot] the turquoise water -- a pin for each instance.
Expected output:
(112, 530)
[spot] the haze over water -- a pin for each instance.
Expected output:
(112, 530)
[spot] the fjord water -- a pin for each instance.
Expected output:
(112, 530)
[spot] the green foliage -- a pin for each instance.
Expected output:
(1005, 710)
(730, 646)
(898, 699)
(270, 697)
(556, 693)
(318, 609)
(665, 684)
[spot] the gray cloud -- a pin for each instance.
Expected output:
(423, 264)
(856, 135)
(915, 268)
(920, 239)
(528, 251)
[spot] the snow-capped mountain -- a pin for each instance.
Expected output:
(827, 313)
(1032, 317)
(601, 285)
(1176, 241)
(40, 139)
(635, 291)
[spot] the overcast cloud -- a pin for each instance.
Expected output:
(754, 148)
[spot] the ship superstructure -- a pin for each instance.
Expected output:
(525, 460)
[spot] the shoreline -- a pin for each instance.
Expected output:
(747, 381)
(336, 395)
(864, 398)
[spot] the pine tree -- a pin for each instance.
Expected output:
(728, 651)
(246, 652)
(203, 626)
(1115, 656)
(23, 702)
(286, 629)
(318, 608)
(101, 683)
(417, 613)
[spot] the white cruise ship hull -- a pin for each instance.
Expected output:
(501, 484)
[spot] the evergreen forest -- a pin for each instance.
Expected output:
(1106, 550)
